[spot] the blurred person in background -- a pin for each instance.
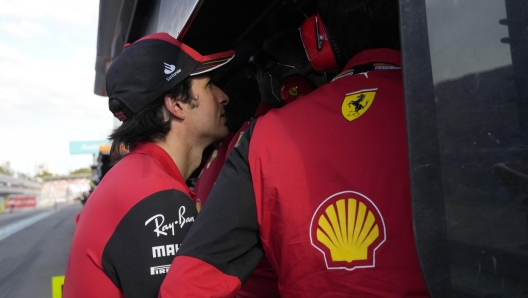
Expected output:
(320, 186)
(11, 205)
(135, 220)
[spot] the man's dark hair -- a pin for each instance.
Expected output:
(357, 25)
(149, 124)
(286, 48)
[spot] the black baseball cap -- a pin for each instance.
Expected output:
(151, 66)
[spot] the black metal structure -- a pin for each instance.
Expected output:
(478, 56)
(424, 154)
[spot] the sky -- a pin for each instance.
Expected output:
(47, 73)
(464, 37)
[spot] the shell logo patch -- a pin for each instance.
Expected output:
(357, 103)
(348, 229)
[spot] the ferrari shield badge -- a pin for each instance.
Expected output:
(357, 103)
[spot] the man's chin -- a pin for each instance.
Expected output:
(223, 133)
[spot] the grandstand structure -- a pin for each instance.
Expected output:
(14, 186)
(58, 189)
(10, 185)
(53, 189)
(48, 191)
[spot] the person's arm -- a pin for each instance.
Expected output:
(143, 245)
(223, 246)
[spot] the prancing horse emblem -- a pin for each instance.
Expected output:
(357, 103)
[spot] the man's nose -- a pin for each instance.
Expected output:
(223, 99)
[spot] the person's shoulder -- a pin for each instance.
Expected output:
(134, 165)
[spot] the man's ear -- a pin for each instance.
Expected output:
(175, 107)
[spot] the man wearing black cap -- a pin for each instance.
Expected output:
(135, 221)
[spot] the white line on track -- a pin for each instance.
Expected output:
(10, 229)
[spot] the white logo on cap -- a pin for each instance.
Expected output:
(173, 75)
(169, 68)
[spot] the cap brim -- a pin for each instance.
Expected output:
(211, 62)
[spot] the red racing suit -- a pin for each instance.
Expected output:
(322, 187)
(130, 229)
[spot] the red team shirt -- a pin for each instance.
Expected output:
(130, 229)
(322, 187)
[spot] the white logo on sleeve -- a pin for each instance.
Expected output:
(165, 250)
(159, 269)
(169, 68)
(161, 228)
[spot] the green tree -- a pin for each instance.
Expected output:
(82, 171)
(44, 174)
(2, 171)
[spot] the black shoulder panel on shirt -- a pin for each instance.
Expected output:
(226, 234)
(140, 251)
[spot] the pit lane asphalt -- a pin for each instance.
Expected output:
(31, 256)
